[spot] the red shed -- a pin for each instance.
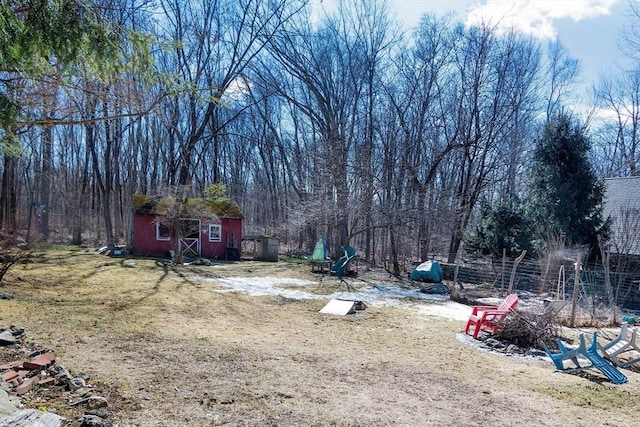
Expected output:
(207, 229)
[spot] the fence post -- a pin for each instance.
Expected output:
(512, 279)
(504, 261)
(576, 289)
(604, 252)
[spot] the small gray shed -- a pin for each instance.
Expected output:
(260, 248)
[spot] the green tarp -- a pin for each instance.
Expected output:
(429, 271)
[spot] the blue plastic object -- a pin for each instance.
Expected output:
(341, 266)
(591, 353)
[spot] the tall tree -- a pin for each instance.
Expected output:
(619, 136)
(214, 42)
(567, 197)
(495, 75)
(414, 144)
(374, 37)
(560, 75)
(326, 79)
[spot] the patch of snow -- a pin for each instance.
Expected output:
(262, 282)
(450, 310)
(261, 286)
(376, 295)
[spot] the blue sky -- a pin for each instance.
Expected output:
(589, 29)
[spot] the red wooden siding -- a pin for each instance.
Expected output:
(145, 242)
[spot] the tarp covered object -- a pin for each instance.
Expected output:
(429, 271)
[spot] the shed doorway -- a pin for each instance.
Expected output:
(189, 237)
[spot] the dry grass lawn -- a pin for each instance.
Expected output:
(172, 347)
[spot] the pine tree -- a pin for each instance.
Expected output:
(504, 226)
(567, 197)
(40, 37)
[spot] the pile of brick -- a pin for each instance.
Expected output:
(37, 371)
(24, 375)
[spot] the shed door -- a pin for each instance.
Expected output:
(190, 237)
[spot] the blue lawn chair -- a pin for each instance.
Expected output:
(590, 353)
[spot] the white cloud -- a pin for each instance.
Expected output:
(536, 17)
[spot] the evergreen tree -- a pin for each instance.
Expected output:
(43, 37)
(566, 195)
(504, 226)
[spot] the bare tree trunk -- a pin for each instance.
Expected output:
(456, 239)
(607, 279)
(512, 279)
(394, 252)
(424, 235)
(45, 181)
(8, 197)
(103, 180)
(79, 205)
(342, 211)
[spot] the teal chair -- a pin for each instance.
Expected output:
(319, 259)
(590, 353)
(341, 267)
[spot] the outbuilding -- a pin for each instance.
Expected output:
(194, 227)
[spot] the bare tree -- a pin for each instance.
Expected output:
(323, 66)
(619, 135)
(12, 251)
(495, 76)
(630, 37)
(213, 42)
(420, 109)
(561, 72)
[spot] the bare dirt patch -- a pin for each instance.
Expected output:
(172, 346)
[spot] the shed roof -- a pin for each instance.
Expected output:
(162, 205)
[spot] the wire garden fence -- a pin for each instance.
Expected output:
(555, 277)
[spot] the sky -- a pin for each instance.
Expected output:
(589, 29)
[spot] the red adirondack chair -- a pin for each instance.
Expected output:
(486, 317)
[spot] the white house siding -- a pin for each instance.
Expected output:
(622, 204)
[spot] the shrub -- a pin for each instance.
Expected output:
(12, 250)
